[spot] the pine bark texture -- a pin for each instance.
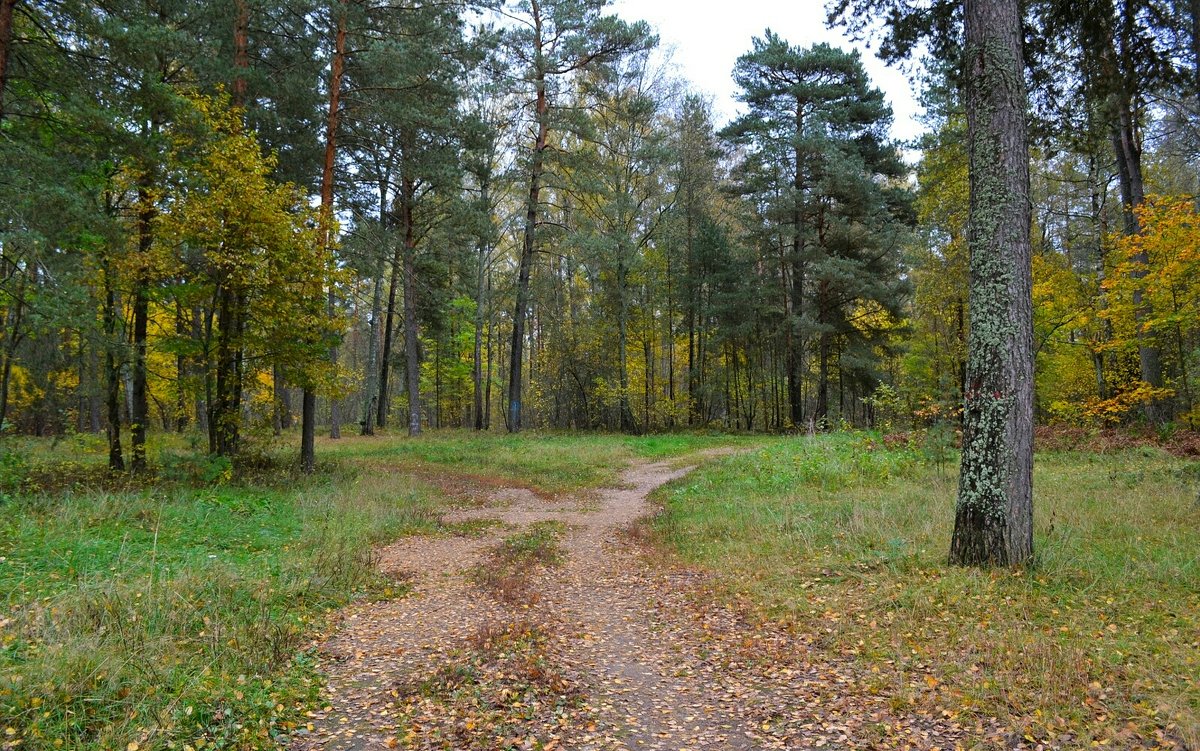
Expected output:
(994, 518)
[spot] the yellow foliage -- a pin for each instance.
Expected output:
(1163, 263)
(1116, 409)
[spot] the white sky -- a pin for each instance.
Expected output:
(708, 36)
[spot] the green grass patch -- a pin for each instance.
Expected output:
(848, 539)
(168, 615)
(552, 463)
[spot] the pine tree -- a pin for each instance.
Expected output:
(550, 41)
(993, 523)
(815, 122)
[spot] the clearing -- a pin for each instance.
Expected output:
(543, 625)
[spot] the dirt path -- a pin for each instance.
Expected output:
(608, 653)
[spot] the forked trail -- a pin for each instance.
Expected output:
(608, 652)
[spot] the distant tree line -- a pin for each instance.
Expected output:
(236, 215)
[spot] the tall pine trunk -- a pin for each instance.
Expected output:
(483, 252)
(337, 68)
(795, 336)
(993, 523)
(11, 340)
(412, 344)
(627, 423)
(1115, 60)
(308, 430)
(525, 267)
(389, 336)
(371, 371)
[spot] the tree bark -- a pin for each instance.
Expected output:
(371, 372)
(487, 390)
(308, 431)
(225, 418)
(795, 337)
(536, 168)
(627, 423)
(241, 51)
(994, 516)
(412, 344)
(332, 120)
(181, 374)
(278, 388)
(1127, 148)
(389, 335)
(6, 26)
(1194, 10)
(112, 373)
(484, 251)
(140, 413)
(10, 347)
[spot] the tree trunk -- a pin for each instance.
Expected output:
(95, 417)
(795, 336)
(333, 116)
(389, 335)
(412, 345)
(821, 411)
(112, 373)
(140, 414)
(487, 390)
(371, 372)
(12, 339)
(308, 431)
(484, 251)
(994, 518)
(225, 418)
(1129, 170)
(1194, 11)
(627, 423)
(241, 51)
(181, 374)
(6, 27)
(537, 165)
(202, 332)
(278, 389)
(1127, 148)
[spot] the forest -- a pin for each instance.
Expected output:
(460, 375)
(235, 216)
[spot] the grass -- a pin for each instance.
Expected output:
(180, 615)
(508, 568)
(175, 610)
(551, 463)
(842, 536)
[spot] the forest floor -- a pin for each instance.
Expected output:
(547, 625)
(592, 592)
